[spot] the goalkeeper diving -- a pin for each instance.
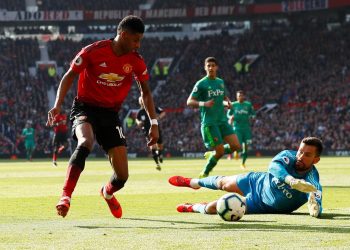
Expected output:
(291, 181)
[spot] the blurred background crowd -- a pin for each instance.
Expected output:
(298, 79)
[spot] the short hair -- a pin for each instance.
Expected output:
(314, 141)
(210, 59)
(132, 24)
(240, 92)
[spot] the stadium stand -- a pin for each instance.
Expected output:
(302, 70)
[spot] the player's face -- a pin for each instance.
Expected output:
(211, 68)
(240, 97)
(306, 157)
(132, 41)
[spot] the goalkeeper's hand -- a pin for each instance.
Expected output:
(313, 206)
(301, 185)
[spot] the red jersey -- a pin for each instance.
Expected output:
(60, 123)
(105, 78)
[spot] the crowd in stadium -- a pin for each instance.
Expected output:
(302, 69)
(110, 4)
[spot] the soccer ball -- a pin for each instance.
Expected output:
(231, 207)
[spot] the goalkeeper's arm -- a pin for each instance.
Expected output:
(314, 205)
(300, 184)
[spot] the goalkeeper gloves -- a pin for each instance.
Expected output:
(313, 206)
(300, 185)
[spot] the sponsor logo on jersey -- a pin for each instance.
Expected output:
(283, 187)
(216, 92)
(127, 68)
(111, 77)
(78, 61)
(103, 65)
(242, 112)
(285, 159)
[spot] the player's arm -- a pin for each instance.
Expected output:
(227, 102)
(65, 84)
(279, 169)
(161, 113)
(150, 110)
(194, 103)
(230, 115)
(139, 123)
(314, 204)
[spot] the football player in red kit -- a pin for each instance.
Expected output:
(59, 141)
(105, 70)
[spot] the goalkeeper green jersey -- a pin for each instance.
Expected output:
(206, 89)
(28, 134)
(242, 112)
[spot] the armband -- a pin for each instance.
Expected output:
(201, 104)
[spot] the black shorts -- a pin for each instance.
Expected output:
(160, 139)
(105, 124)
(59, 138)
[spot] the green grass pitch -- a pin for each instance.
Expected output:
(29, 192)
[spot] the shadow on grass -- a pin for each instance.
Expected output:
(245, 225)
(328, 216)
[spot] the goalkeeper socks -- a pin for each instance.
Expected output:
(209, 182)
(227, 149)
(210, 164)
(199, 208)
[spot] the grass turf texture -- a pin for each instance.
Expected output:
(29, 192)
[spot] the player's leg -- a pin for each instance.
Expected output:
(212, 160)
(30, 149)
(230, 138)
(113, 141)
(225, 183)
(247, 139)
(160, 146)
(212, 139)
(154, 151)
(27, 147)
(239, 135)
(203, 208)
(84, 134)
(118, 158)
(27, 152)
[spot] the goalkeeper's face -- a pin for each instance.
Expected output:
(306, 157)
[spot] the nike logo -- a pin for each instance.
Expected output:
(103, 65)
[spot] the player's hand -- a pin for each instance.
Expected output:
(227, 104)
(313, 206)
(153, 135)
(209, 103)
(302, 185)
(51, 115)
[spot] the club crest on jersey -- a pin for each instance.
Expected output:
(127, 68)
(111, 77)
(78, 61)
